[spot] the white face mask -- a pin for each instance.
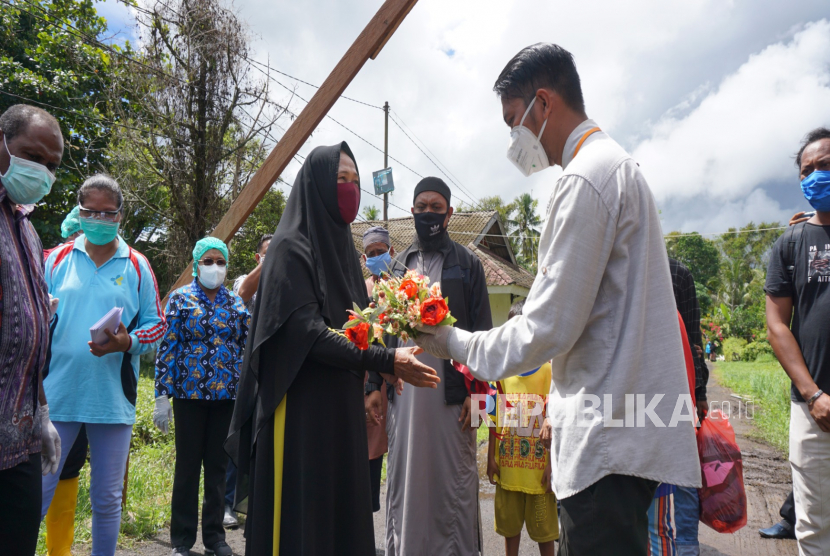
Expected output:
(212, 276)
(525, 150)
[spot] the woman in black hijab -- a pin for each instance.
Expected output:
(298, 434)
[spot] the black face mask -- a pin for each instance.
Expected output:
(430, 229)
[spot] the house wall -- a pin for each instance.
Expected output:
(501, 299)
(499, 307)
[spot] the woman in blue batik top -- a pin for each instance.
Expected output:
(198, 366)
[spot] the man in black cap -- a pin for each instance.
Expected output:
(432, 479)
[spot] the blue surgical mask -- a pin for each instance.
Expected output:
(380, 264)
(99, 232)
(816, 188)
(26, 182)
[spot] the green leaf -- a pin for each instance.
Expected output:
(449, 320)
(375, 314)
(357, 309)
(351, 324)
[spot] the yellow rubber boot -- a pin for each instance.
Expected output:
(60, 519)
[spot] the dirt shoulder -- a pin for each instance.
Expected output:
(768, 481)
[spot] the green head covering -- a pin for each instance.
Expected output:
(204, 245)
(71, 224)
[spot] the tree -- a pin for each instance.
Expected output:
(698, 254)
(525, 230)
(262, 221)
(192, 142)
(50, 53)
(750, 244)
(371, 212)
(491, 203)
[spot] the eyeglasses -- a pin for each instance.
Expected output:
(109, 215)
(207, 261)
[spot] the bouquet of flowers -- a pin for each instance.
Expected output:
(399, 307)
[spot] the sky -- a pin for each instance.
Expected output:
(710, 97)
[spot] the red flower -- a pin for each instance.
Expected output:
(359, 335)
(433, 311)
(410, 288)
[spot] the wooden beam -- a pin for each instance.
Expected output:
(367, 45)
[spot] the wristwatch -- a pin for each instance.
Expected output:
(370, 387)
(814, 397)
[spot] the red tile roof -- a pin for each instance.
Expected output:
(482, 232)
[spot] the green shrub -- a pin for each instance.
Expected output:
(144, 431)
(733, 349)
(753, 350)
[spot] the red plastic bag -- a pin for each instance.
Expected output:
(722, 498)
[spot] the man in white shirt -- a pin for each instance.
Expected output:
(601, 308)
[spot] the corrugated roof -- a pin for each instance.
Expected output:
(480, 231)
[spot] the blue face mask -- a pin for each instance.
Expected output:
(380, 264)
(26, 182)
(816, 188)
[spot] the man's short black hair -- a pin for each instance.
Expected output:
(262, 240)
(541, 66)
(516, 309)
(817, 134)
(17, 117)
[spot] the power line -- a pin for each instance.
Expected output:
(92, 41)
(310, 84)
(463, 189)
(250, 60)
(101, 121)
(464, 192)
(275, 80)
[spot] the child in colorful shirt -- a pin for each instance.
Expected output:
(519, 464)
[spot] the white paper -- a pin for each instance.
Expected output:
(110, 322)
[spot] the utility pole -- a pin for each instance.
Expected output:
(385, 158)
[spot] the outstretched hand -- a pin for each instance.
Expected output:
(409, 369)
(435, 340)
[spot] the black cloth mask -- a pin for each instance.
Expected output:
(430, 229)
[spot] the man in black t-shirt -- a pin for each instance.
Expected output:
(798, 320)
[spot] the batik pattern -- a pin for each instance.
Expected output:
(201, 352)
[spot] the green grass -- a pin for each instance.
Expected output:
(152, 457)
(769, 387)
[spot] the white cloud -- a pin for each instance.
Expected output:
(687, 86)
(743, 134)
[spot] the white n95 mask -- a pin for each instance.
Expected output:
(212, 276)
(525, 150)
